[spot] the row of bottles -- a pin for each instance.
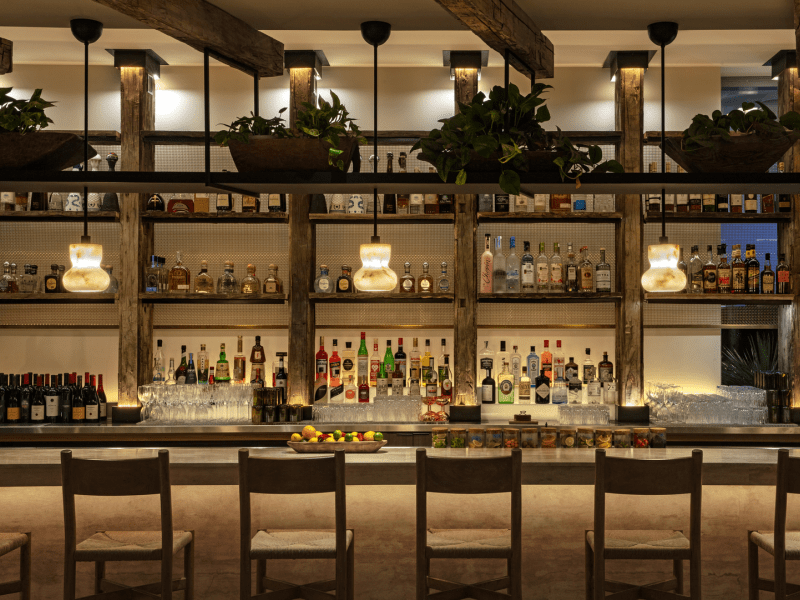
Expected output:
(178, 279)
(31, 282)
(738, 276)
(425, 283)
(546, 203)
(40, 399)
(222, 202)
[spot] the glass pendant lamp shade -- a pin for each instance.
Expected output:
(86, 274)
(375, 274)
(663, 274)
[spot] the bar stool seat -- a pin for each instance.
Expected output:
(649, 544)
(468, 543)
(128, 545)
(766, 541)
(296, 543)
(11, 541)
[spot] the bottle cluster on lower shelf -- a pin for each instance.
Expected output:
(501, 274)
(424, 283)
(31, 282)
(546, 203)
(39, 399)
(178, 279)
(545, 379)
(222, 202)
(739, 276)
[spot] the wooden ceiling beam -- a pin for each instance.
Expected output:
(201, 25)
(503, 25)
(6, 56)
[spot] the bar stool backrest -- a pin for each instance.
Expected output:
(130, 477)
(788, 483)
(642, 477)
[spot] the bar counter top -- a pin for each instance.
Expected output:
(393, 466)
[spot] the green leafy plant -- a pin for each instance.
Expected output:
(329, 123)
(760, 354)
(706, 132)
(23, 116)
(501, 127)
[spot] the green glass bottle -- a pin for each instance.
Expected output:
(388, 358)
(363, 359)
(223, 373)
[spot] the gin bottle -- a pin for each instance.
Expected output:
(516, 364)
(506, 386)
(524, 388)
(571, 272)
(512, 269)
(602, 274)
(586, 272)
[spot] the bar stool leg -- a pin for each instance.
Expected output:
(351, 569)
(695, 575)
(752, 568)
(588, 568)
(188, 569)
(99, 575)
(780, 577)
(166, 573)
(69, 576)
(261, 572)
(423, 567)
(25, 569)
(677, 570)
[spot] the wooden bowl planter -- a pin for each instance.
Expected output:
(539, 161)
(265, 153)
(41, 150)
(744, 153)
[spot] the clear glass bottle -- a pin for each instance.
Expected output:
(559, 394)
(524, 387)
(179, 277)
(25, 283)
(171, 373)
(425, 281)
(350, 391)
(443, 283)
(695, 272)
(505, 392)
(516, 364)
(158, 364)
(14, 278)
(204, 283)
(602, 274)
(527, 271)
(512, 268)
(407, 281)
(486, 268)
(273, 284)
(542, 271)
(323, 284)
(559, 364)
(239, 361)
(344, 285)
(586, 272)
(250, 283)
(203, 364)
(723, 270)
(571, 283)
(113, 284)
(532, 362)
(498, 267)
(556, 270)
(227, 283)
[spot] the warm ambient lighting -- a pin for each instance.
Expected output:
(86, 274)
(663, 274)
(375, 274)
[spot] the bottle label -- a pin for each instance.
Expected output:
(527, 274)
(350, 394)
(257, 357)
(347, 365)
(487, 394)
(52, 284)
(444, 285)
(555, 274)
(572, 274)
(587, 278)
(320, 390)
(710, 280)
(248, 202)
(271, 287)
(344, 285)
(374, 368)
(709, 200)
(752, 279)
(92, 412)
(487, 363)
(606, 374)
(543, 391)
(593, 390)
(542, 275)
(783, 276)
(324, 285)
(181, 380)
(363, 394)
(588, 373)
(424, 285)
(103, 409)
(397, 386)
(223, 372)
(516, 367)
(738, 278)
(447, 387)
(768, 283)
(12, 414)
(603, 281)
(336, 369)
(571, 373)
(506, 386)
(78, 413)
(37, 413)
(486, 275)
(751, 203)
(401, 365)
(322, 366)
(337, 392)
(415, 364)
(723, 277)
(51, 406)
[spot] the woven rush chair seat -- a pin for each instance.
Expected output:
(766, 541)
(128, 545)
(11, 541)
(647, 544)
(295, 543)
(468, 543)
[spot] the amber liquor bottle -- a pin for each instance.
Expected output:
(753, 270)
(767, 277)
(783, 276)
(710, 273)
(784, 200)
(723, 271)
(179, 276)
(738, 275)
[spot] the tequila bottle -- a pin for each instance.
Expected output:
(602, 274)
(695, 272)
(527, 274)
(407, 281)
(273, 284)
(486, 267)
(499, 267)
(203, 283)
(512, 268)
(556, 270)
(443, 283)
(179, 277)
(506, 386)
(344, 285)
(251, 283)
(323, 284)
(723, 271)
(425, 280)
(586, 272)
(542, 271)
(227, 284)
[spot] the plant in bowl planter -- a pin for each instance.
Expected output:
(23, 144)
(749, 139)
(324, 139)
(503, 133)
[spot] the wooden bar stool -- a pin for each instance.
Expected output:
(132, 477)
(8, 543)
(295, 476)
(638, 477)
(781, 544)
(469, 476)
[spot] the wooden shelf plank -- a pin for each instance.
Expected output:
(167, 298)
(68, 298)
(729, 299)
(548, 217)
(154, 216)
(338, 218)
(554, 298)
(718, 217)
(58, 216)
(381, 298)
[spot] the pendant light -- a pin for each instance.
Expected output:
(375, 274)
(86, 275)
(663, 274)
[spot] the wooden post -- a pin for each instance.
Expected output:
(465, 325)
(136, 238)
(6, 56)
(303, 86)
(466, 85)
(629, 119)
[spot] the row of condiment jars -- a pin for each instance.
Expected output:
(548, 437)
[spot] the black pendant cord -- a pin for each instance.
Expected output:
(663, 239)
(375, 237)
(85, 239)
(207, 116)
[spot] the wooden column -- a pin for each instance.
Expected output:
(136, 239)
(466, 85)
(465, 326)
(629, 119)
(6, 56)
(303, 86)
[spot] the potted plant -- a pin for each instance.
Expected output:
(749, 139)
(503, 133)
(324, 139)
(23, 144)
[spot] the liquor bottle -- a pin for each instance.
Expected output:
(427, 364)
(586, 272)
(783, 276)
(388, 359)
(571, 284)
(722, 203)
(179, 277)
(443, 283)
(250, 283)
(282, 378)
(239, 362)
(152, 276)
(399, 358)
(709, 203)
(784, 200)
(8, 284)
(488, 389)
(710, 284)
(681, 200)
(602, 274)
(415, 362)
(223, 373)
(605, 369)
(180, 373)
(445, 379)
(751, 203)
(227, 282)
(653, 199)
(338, 204)
(51, 404)
(90, 403)
(542, 388)
(522, 205)
(506, 386)
(767, 277)
(737, 203)
(485, 202)
(695, 272)
(738, 274)
(516, 364)
(589, 370)
(382, 381)
(26, 398)
(527, 277)
(158, 365)
(502, 203)
(156, 203)
(351, 391)
(101, 398)
(51, 280)
(276, 203)
(407, 281)
(273, 284)
(363, 390)
(542, 271)
(445, 204)
(524, 387)
(389, 200)
(78, 405)
(723, 271)
(532, 361)
(322, 362)
(594, 390)
(398, 381)
(541, 203)
(559, 392)
(425, 280)
(486, 360)
(38, 404)
(547, 360)
(558, 361)
(499, 282)
(578, 202)
(344, 285)
(212, 380)
(512, 268)
(251, 204)
(695, 202)
(431, 201)
(363, 359)
(560, 202)
(374, 363)
(556, 270)
(416, 202)
(753, 270)
(323, 283)
(684, 269)
(224, 204)
(191, 372)
(355, 205)
(403, 200)
(487, 267)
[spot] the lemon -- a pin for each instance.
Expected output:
(317, 433)
(354, 434)
(296, 437)
(329, 440)
(341, 439)
(313, 440)
(369, 436)
(309, 432)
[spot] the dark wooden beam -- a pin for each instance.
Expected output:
(6, 56)
(503, 25)
(303, 85)
(466, 85)
(465, 287)
(201, 25)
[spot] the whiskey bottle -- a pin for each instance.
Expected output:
(586, 272)
(556, 270)
(276, 203)
(445, 204)
(512, 268)
(501, 203)
(767, 277)
(425, 280)
(156, 203)
(605, 369)
(250, 283)
(560, 202)
(524, 387)
(224, 204)
(323, 283)
(602, 274)
(389, 200)
(498, 267)
(443, 283)
(344, 285)
(527, 277)
(753, 270)
(751, 203)
(722, 203)
(784, 200)
(486, 267)
(227, 283)
(738, 271)
(407, 281)
(695, 272)
(179, 277)
(767, 203)
(239, 362)
(709, 203)
(653, 199)
(258, 358)
(431, 201)
(737, 203)
(251, 204)
(281, 378)
(203, 283)
(542, 271)
(695, 202)
(710, 285)
(506, 386)
(783, 276)
(338, 204)
(723, 271)
(684, 269)
(273, 284)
